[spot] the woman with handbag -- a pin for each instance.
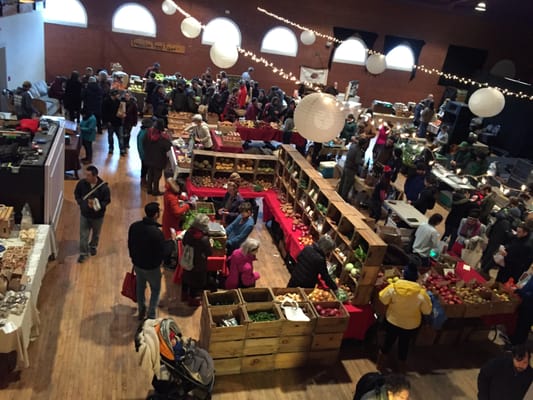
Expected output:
(241, 271)
(195, 280)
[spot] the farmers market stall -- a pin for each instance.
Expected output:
(267, 133)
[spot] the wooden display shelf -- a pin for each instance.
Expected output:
(331, 324)
(257, 363)
(326, 341)
(222, 298)
(228, 366)
(266, 329)
(290, 344)
(211, 331)
(290, 360)
(261, 296)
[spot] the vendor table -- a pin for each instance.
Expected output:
(173, 158)
(214, 264)
(361, 319)
(20, 329)
(219, 146)
(246, 193)
(406, 212)
(450, 179)
(72, 155)
(267, 134)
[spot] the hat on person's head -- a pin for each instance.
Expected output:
(201, 222)
(197, 117)
(92, 79)
(326, 244)
(463, 145)
(234, 177)
(515, 212)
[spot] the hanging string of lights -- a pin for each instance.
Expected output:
(422, 68)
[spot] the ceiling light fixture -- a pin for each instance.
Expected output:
(481, 6)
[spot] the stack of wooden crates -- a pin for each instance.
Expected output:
(264, 346)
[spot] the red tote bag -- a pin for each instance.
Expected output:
(129, 286)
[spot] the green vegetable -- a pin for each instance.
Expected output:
(217, 245)
(262, 316)
(341, 295)
(360, 254)
(188, 219)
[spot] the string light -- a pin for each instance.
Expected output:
(260, 60)
(421, 68)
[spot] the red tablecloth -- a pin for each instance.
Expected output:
(246, 193)
(267, 133)
(218, 146)
(361, 318)
(214, 264)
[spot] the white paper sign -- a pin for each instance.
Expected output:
(466, 267)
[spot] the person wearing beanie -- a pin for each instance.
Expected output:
(311, 262)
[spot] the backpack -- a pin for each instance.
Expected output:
(187, 258)
(371, 381)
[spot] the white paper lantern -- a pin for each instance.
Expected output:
(168, 8)
(224, 54)
(486, 102)
(376, 64)
(307, 37)
(191, 27)
(319, 117)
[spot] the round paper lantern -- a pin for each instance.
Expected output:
(224, 54)
(486, 102)
(168, 8)
(319, 117)
(191, 27)
(307, 37)
(376, 64)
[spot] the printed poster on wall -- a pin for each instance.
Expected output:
(318, 76)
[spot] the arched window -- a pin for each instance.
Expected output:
(351, 51)
(65, 12)
(134, 19)
(400, 58)
(221, 28)
(280, 40)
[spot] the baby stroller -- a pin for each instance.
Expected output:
(181, 369)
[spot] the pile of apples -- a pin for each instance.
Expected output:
(438, 284)
(328, 311)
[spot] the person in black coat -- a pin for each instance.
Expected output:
(506, 377)
(524, 311)
(194, 281)
(461, 206)
(156, 145)
(110, 107)
(159, 104)
(310, 262)
(92, 97)
(92, 195)
(148, 248)
(72, 97)
(518, 256)
(352, 166)
(230, 204)
(428, 196)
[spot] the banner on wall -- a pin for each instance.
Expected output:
(318, 76)
(148, 44)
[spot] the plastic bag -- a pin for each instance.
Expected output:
(437, 316)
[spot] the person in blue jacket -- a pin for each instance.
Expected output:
(88, 134)
(240, 228)
(146, 124)
(415, 182)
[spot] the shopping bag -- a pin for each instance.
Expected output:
(129, 285)
(471, 257)
(187, 258)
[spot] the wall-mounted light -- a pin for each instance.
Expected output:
(481, 6)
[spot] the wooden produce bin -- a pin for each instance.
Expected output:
(207, 207)
(331, 324)
(293, 344)
(266, 329)
(300, 328)
(6, 220)
(276, 292)
(290, 360)
(323, 357)
(257, 363)
(453, 310)
(266, 345)
(221, 298)
(261, 296)
(363, 295)
(211, 331)
(326, 341)
(228, 366)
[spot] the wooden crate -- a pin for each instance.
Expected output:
(426, 336)
(449, 336)
(6, 220)
(307, 292)
(265, 329)
(208, 206)
(211, 318)
(257, 363)
(257, 296)
(477, 310)
(225, 128)
(283, 291)
(292, 344)
(222, 251)
(376, 247)
(453, 310)
(326, 341)
(226, 349)
(331, 324)
(363, 295)
(369, 275)
(228, 366)
(268, 345)
(221, 298)
(290, 360)
(323, 357)
(296, 328)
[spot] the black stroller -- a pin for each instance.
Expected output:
(181, 369)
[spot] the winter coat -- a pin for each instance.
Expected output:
(498, 379)
(406, 302)
(156, 147)
(88, 129)
(486, 206)
(243, 95)
(147, 246)
(252, 111)
(202, 135)
(110, 107)
(132, 113)
(103, 195)
(92, 97)
(179, 100)
(241, 270)
(23, 105)
(426, 199)
(413, 186)
(517, 261)
(237, 232)
(173, 211)
(72, 97)
(233, 208)
(159, 105)
(461, 206)
(426, 115)
(140, 142)
(354, 157)
(197, 277)
(310, 262)
(500, 233)
(348, 131)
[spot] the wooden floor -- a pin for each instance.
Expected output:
(86, 351)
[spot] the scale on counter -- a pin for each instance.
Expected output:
(215, 229)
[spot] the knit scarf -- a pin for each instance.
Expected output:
(470, 230)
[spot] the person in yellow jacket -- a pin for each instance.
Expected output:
(406, 301)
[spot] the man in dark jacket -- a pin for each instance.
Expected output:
(461, 206)
(415, 182)
(352, 166)
(312, 261)
(427, 197)
(518, 256)
(155, 147)
(179, 97)
(507, 377)
(148, 248)
(92, 195)
(113, 122)
(92, 97)
(22, 100)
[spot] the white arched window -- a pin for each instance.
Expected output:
(134, 19)
(221, 28)
(351, 51)
(65, 12)
(400, 58)
(280, 40)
